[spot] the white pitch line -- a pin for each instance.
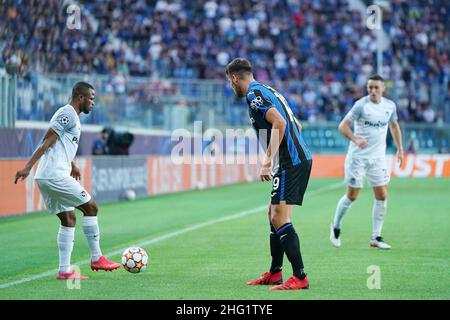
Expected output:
(167, 236)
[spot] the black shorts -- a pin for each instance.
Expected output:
(290, 184)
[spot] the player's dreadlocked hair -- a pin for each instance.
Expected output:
(81, 89)
(239, 66)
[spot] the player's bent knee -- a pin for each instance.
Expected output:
(273, 220)
(380, 193)
(71, 223)
(68, 220)
(381, 196)
(90, 208)
(93, 208)
(352, 194)
(278, 220)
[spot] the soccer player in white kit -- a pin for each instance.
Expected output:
(366, 156)
(56, 177)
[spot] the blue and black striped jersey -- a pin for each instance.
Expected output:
(293, 149)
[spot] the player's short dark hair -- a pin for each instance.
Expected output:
(81, 88)
(376, 77)
(239, 66)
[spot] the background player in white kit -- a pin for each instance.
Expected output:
(57, 177)
(366, 156)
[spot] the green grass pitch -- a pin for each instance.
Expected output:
(216, 256)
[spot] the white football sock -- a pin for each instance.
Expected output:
(65, 241)
(343, 205)
(92, 233)
(378, 214)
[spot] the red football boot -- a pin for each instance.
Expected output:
(70, 275)
(293, 283)
(104, 264)
(268, 278)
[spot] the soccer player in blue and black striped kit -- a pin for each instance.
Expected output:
(287, 163)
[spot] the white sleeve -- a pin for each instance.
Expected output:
(63, 121)
(355, 112)
(393, 117)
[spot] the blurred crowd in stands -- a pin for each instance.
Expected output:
(304, 41)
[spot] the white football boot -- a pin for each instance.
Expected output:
(335, 236)
(379, 243)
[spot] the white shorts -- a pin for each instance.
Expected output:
(375, 170)
(61, 195)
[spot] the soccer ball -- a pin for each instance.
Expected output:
(134, 259)
(130, 195)
(200, 186)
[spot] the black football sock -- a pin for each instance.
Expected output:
(276, 250)
(291, 245)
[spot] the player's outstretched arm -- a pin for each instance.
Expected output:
(344, 129)
(397, 135)
(277, 133)
(49, 139)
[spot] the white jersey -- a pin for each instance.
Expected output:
(56, 162)
(371, 124)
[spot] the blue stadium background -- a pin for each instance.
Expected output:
(159, 65)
